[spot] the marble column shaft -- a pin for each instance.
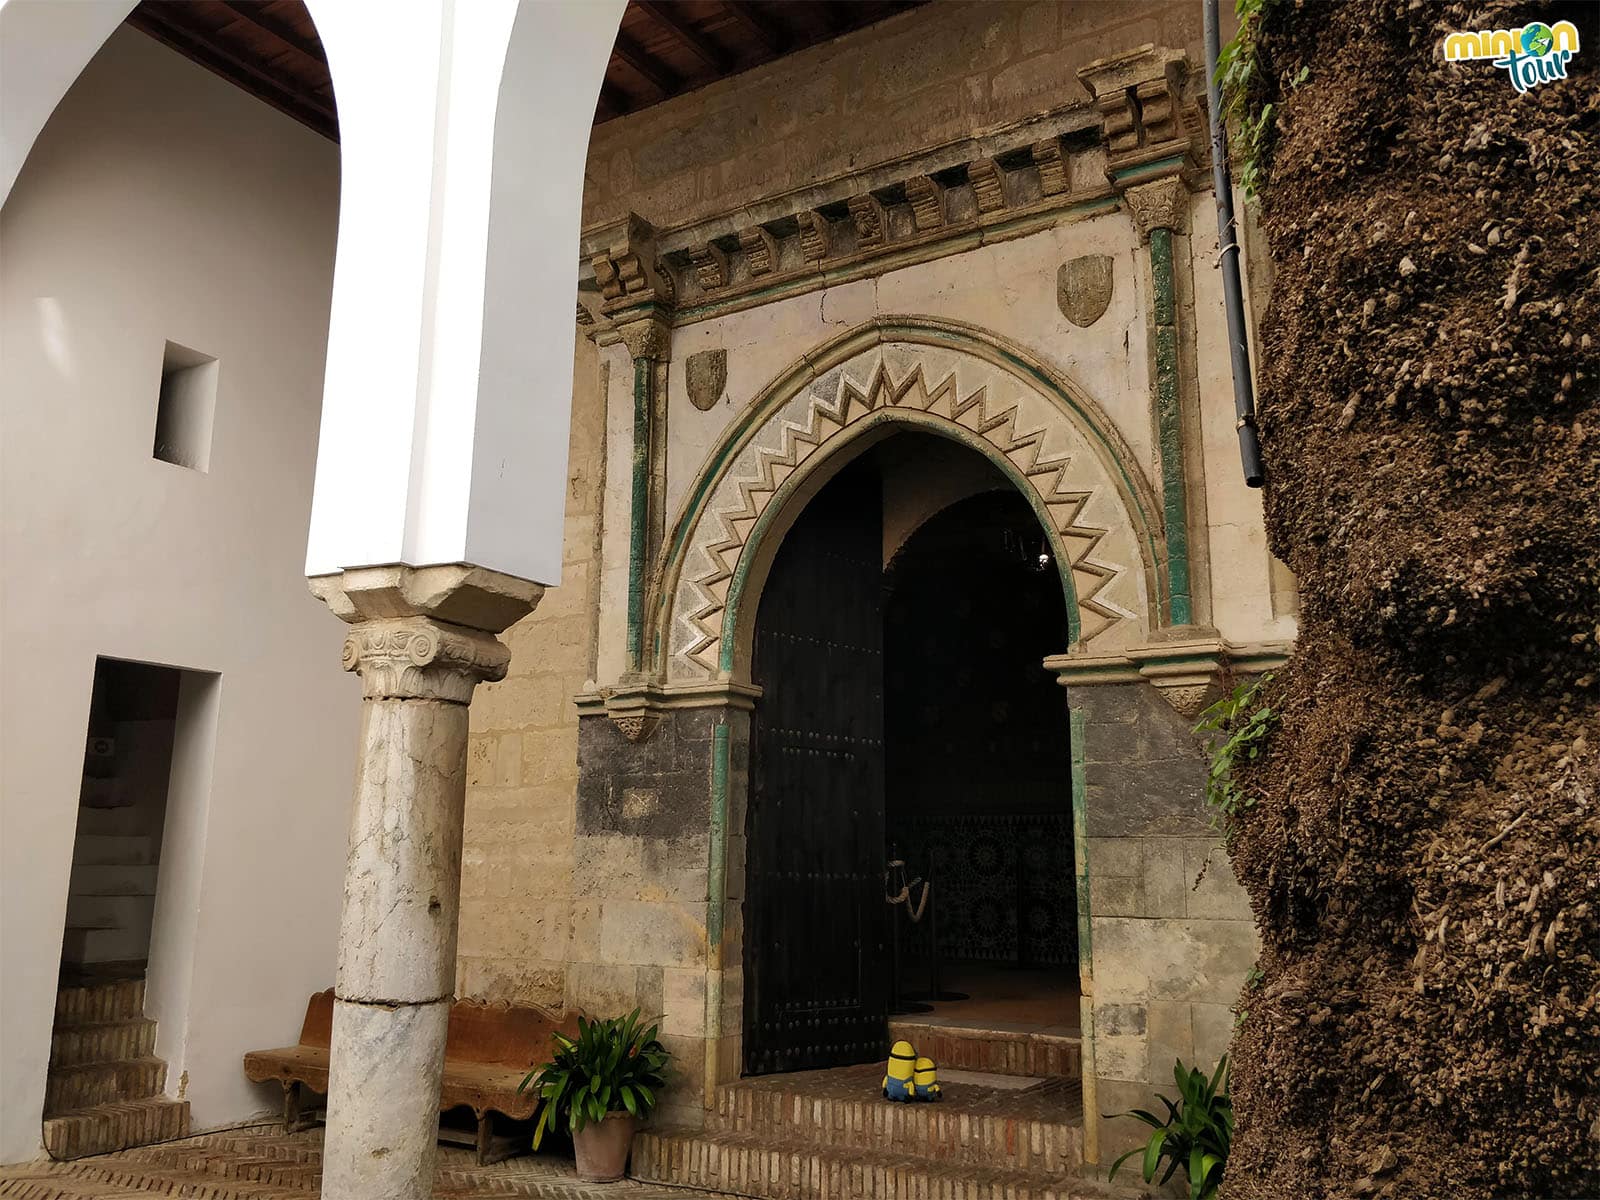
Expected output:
(397, 936)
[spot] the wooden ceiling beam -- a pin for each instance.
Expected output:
(615, 100)
(657, 73)
(252, 15)
(771, 38)
(712, 56)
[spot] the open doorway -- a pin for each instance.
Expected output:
(906, 716)
(105, 1086)
(978, 770)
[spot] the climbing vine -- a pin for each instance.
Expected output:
(1236, 728)
(1246, 88)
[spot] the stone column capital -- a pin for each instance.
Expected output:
(647, 337)
(426, 633)
(1161, 204)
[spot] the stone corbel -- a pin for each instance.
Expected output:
(815, 235)
(760, 250)
(1146, 120)
(636, 707)
(927, 202)
(710, 265)
(988, 184)
(629, 271)
(871, 227)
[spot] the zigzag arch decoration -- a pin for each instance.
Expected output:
(952, 380)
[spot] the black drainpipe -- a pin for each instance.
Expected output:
(1244, 398)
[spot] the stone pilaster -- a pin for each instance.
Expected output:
(1154, 151)
(638, 297)
(422, 640)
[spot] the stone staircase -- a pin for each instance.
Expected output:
(104, 1089)
(1040, 1053)
(829, 1135)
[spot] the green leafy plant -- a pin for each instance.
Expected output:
(1241, 80)
(1237, 727)
(1196, 1134)
(611, 1066)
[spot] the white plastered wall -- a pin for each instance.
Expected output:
(161, 203)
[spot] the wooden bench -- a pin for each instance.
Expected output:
(488, 1050)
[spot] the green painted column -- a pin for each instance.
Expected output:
(639, 510)
(648, 340)
(1159, 210)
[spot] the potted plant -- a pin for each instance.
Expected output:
(599, 1085)
(1196, 1135)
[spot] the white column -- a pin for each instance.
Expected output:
(422, 640)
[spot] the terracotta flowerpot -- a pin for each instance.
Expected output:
(602, 1148)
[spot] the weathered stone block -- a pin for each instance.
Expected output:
(1137, 959)
(1171, 1037)
(1115, 856)
(1121, 1040)
(1166, 883)
(684, 1001)
(658, 934)
(1217, 894)
(1213, 1032)
(1115, 895)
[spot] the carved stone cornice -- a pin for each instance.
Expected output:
(760, 249)
(926, 195)
(1187, 669)
(629, 270)
(636, 705)
(426, 633)
(1147, 119)
(1163, 204)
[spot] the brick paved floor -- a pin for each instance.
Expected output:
(264, 1164)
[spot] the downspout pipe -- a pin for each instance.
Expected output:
(1244, 397)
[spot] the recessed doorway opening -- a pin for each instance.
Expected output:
(906, 718)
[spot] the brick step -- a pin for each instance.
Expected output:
(100, 1003)
(108, 1127)
(68, 1089)
(751, 1164)
(102, 1042)
(104, 940)
(997, 1051)
(1038, 1129)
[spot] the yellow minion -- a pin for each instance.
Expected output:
(898, 1082)
(925, 1081)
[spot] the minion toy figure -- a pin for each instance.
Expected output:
(898, 1082)
(925, 1081)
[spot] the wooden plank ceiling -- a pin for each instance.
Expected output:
(270, 48)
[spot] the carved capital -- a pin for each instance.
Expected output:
(415, 658)
(426, 633)
(649, 337)
(1163, 204)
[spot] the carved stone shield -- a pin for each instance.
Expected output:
(706, 373)
(1083, 288)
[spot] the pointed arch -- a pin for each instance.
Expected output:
(954, 380)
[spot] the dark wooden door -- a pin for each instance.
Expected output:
(816, 973)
